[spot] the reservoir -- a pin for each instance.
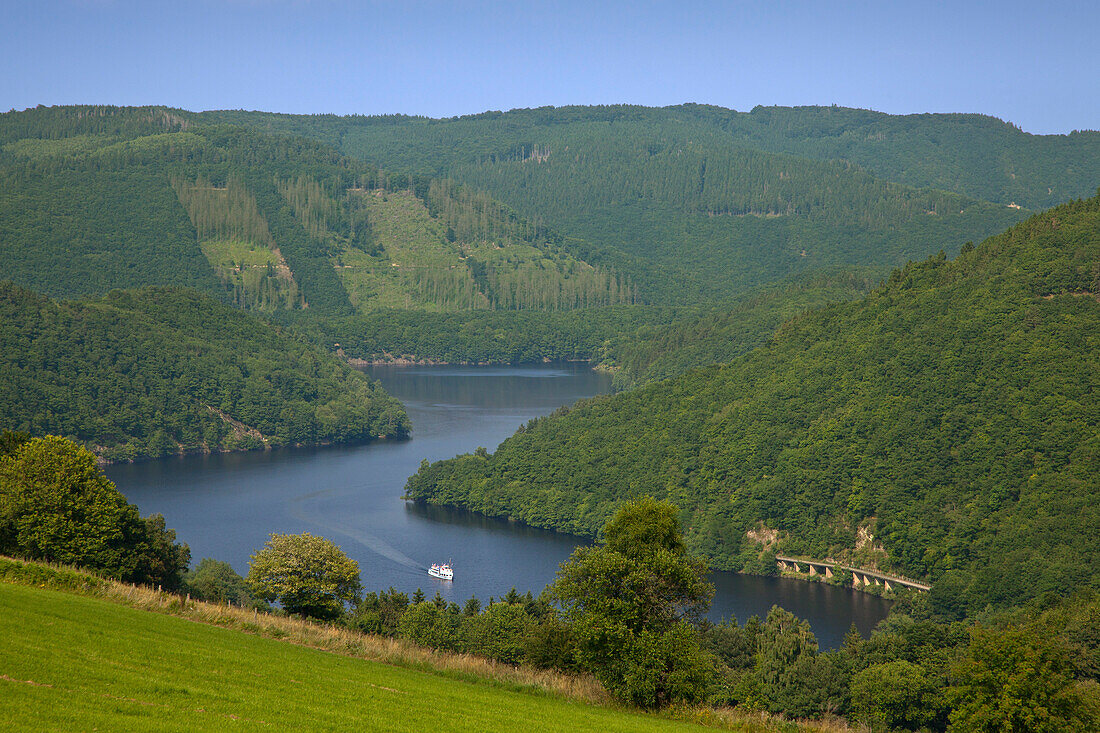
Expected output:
(225, 505)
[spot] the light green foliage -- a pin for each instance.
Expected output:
(56, 505)
(308, 575)
(1012, 680)
(83, 663)
(631, 602)
(430, 624)
(894, 695)
(788, 674)
(235, 238)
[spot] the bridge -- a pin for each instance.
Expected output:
(860, 577)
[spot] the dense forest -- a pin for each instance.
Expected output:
(95, 198)
(975, 155)
(675, 202)
(942, 427)
(716, 334)
(160, 371)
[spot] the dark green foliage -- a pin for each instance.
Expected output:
(380, 613)
(56, 505)
(972, 154)
(477, 337)
(948, 413)
(162, 371)
(632, 602)
(217, 582)
(701, 337)
(10, 440)
(686, 201)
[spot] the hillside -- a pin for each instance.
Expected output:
(701, 337)
(975, 155)
(159, 371)
(86, 662)
(944, 427)
(97, 198)
(694, 202)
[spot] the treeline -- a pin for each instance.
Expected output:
(158, 371)
(480, 337)
(970, 154)
(671, 198)
(938, 427)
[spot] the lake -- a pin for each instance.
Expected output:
(225, 505)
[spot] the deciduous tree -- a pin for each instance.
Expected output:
(308, 575)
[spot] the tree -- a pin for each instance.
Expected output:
(430, 625)
(56, 504)
(216, 581)
(895, 694)
(1017, 680)
(500, 632)
(308, 575)
(632, 602)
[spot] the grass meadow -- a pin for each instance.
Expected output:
(79, 652)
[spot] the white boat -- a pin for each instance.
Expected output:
(442, 571)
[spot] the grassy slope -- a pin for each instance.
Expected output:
(82, 662)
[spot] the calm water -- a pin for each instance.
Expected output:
(224, 506)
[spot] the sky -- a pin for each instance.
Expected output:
(1035, 64)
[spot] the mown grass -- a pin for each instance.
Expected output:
(79, 652)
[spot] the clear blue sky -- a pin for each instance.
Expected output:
(1036, 64)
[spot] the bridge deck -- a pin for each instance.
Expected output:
(861, 571)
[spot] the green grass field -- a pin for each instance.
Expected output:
(70, 662)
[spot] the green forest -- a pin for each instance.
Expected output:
(97, 198)
(160, 371)
(943, 427)
(688, 205)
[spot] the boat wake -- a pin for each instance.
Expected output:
(372, 542)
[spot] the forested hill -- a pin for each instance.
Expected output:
(160, 371)
(687, 201)
(945, 426)
(96, 198)
(971, 154)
